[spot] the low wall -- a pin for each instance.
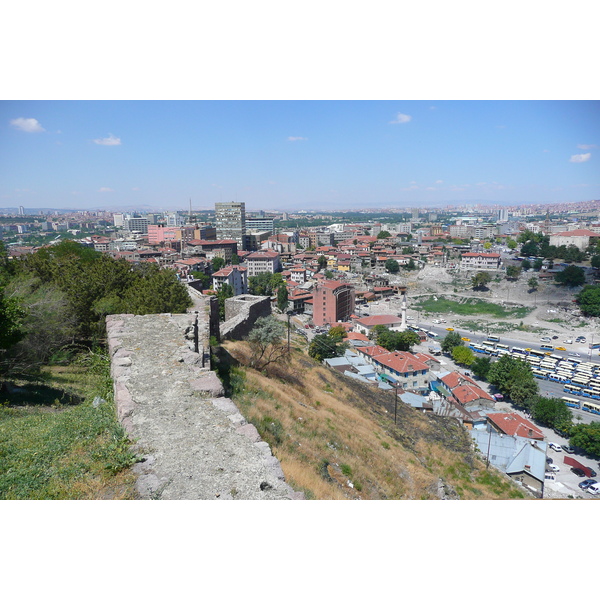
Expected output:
(241, 313)
(194, 442)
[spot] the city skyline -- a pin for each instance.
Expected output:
(291, 155)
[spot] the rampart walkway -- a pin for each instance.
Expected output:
(195, 443)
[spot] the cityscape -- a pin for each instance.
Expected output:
(434, 268)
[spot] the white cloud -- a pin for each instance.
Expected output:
(28, 125)
(579, 158)
(586, 146)
(111, 140)
(297, 139)
(401, 118)
(106, 189)
(440, 181)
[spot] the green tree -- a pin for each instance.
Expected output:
(586, 437)
(480, 280)
(487, 245)
(570, 276)
(394, 340)
(514, 379)
(11, 321)
(538, 263)
(282, 298)
(511, 244)
(513, 272)
(410, 265)
(463, 355)
(235, 259)
(533, 283)
(325, 346)
(552, 412)
(226, 291)
(525, 264)
(392, 265)
(481, 366)
(266, 341)
(322, 261)
(595, 262)
(451, 340)
(382, 235)
(217, 263)
(589, 300)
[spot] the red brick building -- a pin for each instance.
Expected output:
(333, 301)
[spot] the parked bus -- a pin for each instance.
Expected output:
(546, 347)
(572, 389)
(573, 360)
(556, 357)
(520, 351)
(477, 348)
(539, 374)
(493, 338)
(537, 353)
(591, 406)
(572, 402)
(502, 347)
(579, 381)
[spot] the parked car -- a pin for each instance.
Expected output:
(555, 447)
(549, 460)
(560, 348)
(580, 340)
(594, 489)
(568, 449)
(585, 484)
(569, 341)
(553, 468)
(554, 337)
(545, 339)
(579, 472)
(574, 354)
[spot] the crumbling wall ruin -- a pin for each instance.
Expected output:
(241, 313)
(193, 441)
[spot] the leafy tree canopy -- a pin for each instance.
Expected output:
(571, 276)
(392, 265)
(589, 300)
(451, 340)
(586, 437)
(463, 355)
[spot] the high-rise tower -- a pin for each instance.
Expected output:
(230, 220)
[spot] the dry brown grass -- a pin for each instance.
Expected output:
(336, 439)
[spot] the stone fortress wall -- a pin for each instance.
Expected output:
(194, 442)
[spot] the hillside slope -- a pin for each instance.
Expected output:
(336, 439)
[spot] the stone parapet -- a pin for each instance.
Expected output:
(193, 441)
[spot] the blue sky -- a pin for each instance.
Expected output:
(289, 155)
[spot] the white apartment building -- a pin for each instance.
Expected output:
(262, 262)
(484, 261)
(235, 276)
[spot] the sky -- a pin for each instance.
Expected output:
(290, 155)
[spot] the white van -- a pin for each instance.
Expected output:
(594, 489)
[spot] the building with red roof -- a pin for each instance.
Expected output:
(514, 424)
(333, 301)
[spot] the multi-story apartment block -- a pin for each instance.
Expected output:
(235, 276)
(332, 302)
(137, 225)
(486, 261)
(230, 220)
(262, 262)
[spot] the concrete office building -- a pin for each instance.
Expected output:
(230, 220)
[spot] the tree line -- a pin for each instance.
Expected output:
(58, 298)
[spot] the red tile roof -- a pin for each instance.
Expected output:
(513, 424)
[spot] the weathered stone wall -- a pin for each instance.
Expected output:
(194, 442)
(241, 313)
